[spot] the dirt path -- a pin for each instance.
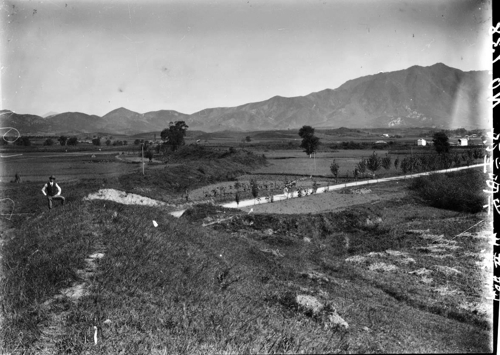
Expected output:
(326, 202)
(327, 189)
(54, 328)
(135, 159)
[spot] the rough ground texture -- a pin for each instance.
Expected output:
(395, 275)
(417, 255)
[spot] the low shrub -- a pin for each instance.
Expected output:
(458, 191)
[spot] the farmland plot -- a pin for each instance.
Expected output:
(39, 166)
(297, 163)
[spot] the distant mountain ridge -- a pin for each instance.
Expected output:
(435, 96)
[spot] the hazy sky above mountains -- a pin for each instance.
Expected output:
(96, 56)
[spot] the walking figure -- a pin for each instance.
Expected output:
(17, 178)
(52, 191)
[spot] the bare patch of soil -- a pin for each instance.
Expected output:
(123, 197)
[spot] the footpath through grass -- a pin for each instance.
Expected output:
(171, 289)
(230, 287)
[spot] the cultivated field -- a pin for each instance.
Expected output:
(66, 166)
(298, 163)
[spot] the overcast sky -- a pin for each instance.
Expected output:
(96, 56)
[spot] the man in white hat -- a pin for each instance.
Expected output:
(52, 191)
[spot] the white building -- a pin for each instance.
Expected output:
(422, 142)
(463, 142)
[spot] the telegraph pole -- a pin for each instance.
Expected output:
(142, 150)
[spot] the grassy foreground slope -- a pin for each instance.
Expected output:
(174, 288)
(185, 287)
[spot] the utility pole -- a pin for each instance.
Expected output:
(142, 150)
(313, 155)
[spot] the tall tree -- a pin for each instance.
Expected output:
(310, 142)
(174, 134)
(441, 143)
(72, 141)
(373, 163)
(63, 140)
(334, 168)
(386, 162)
(361, 166)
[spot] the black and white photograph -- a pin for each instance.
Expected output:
(248, 177)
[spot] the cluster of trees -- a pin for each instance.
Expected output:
(118, 142)
(462, 132)
(373, 163)
(441, 159)
(412, 164)
(23, 140)
(98, 141)
(173, 136)
(68, 141)
(63, 141)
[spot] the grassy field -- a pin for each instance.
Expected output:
(66, 166)
(184, 288)
(298, 163)
(400, 272)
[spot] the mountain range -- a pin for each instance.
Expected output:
(437, 96)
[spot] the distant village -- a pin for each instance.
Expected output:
(462, 141)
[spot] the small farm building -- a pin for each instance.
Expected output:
(421, 141)
(463, 141)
